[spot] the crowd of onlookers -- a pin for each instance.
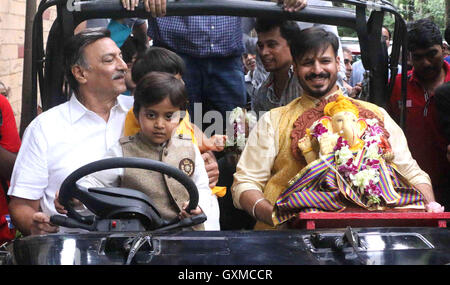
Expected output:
(198, 66)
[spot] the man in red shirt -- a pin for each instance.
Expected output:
(426, 139)
(9, 146)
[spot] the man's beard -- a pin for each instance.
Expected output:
(429, 73)
(318, 93)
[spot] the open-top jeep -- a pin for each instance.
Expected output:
(125, 227)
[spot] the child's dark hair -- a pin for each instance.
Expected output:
(154, 87)
(133, 46)
(157, 59)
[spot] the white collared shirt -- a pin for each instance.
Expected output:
(59, 141)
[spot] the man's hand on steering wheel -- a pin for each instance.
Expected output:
(41, 224)
(60, 208)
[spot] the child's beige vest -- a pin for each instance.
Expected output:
(167, 194)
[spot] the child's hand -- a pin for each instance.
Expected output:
(217, 142)
(212, 168)
(183, 214)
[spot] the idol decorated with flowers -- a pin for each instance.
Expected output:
(349, 165)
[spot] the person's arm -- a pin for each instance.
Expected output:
(7, 160)
(28, 183)
(430, 203)
(26, 217)
(140, 31)
(9, 139)
(212, 168)
(427, 192)
(104, 178)
(156, 7)
(292, 5)
(254, 170)
(207, 201)
(256, 205)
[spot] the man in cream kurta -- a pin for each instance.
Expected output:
(267, 163)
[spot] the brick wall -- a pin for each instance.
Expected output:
(12, 38)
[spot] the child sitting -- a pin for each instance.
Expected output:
(159, 99)
(164, 60)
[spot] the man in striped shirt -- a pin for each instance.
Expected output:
(211, 47)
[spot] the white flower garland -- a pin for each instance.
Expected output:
(364, 180)
(239, 119)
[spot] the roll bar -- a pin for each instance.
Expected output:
(47, 67)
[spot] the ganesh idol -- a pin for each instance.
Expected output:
(349, 166)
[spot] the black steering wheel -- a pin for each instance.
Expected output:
(111, 205)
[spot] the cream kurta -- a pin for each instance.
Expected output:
(267, 165)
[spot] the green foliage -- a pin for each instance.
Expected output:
(411, 10)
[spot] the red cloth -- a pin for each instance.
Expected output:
(10, 141)
(426, 140)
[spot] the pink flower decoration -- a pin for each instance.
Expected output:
(347, 168)
(319, 129)
(373, 189)
(373, 163)
(340, 143)
(375, 130)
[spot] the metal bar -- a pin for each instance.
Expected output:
(242, 8)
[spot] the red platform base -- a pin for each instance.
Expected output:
(312, 221)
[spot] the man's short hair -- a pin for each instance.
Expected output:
(131, 47)
(74, 51)
(313, 39)
(157, 59)
(423, 34)
(287, 28)
(154, 87)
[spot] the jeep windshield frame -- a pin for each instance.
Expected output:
(365, 17)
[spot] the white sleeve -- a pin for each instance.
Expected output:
(207, 201)
(109, 177)
(30, 174)
(255, 164)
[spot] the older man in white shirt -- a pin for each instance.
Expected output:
(72, 134)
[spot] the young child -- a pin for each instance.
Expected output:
(164, 60)
(159, 99)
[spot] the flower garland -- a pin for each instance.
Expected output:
(364, 180)
(242, 122)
